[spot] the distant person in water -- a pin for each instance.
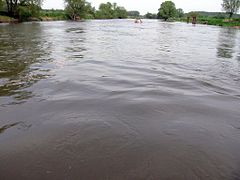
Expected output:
(138, 20)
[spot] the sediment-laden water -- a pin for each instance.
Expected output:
(117, 100)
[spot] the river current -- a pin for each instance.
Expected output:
(111, 99)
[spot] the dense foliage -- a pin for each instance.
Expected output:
(133, 14)
(79, 9)
(1, 4)
(52, 14)
(21, 9)
(111, 11)
(150, 16)
(179, 13)
(167, 10)
(231, 6)
(29, 9)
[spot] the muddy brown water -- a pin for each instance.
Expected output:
(118, 100)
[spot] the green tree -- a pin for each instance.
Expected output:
(105, 11)
(111, 11)
(133, 14)
(14, 6)
(78, 9)
(150, 16)
(89, 11)
(29, 8)
(167, 10)
(120, 12)
(75, 9)
(231, 6)
(193, 14)
(179, 13)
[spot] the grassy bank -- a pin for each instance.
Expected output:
(235, 22)
(219, 22)
(56, 15)
(6, 19)
(52, 15)
(44, 15)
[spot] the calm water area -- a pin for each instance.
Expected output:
(115, 100)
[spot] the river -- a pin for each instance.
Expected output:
(111, 99)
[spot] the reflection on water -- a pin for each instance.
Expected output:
(76, 43)
(227, 42)
(21, 47)
(111, 99)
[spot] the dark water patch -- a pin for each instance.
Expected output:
(75, 30)
(19, 125)
(4, 128)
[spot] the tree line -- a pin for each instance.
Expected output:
(168, 10)
(81, 9)
(21, 8)
(74, 9)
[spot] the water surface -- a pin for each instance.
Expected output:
(117, 100)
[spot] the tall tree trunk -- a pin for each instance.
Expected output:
(15, 7)
(8, 6)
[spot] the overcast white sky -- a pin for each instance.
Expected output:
(145, 6)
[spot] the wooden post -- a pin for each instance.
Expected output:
(194, 20)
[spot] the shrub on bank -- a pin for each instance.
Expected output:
(6, 19)
(53, 14)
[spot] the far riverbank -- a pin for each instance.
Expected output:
(224, 22)
(233, 23)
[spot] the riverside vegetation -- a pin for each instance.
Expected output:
(169, 12)
(28, 10)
